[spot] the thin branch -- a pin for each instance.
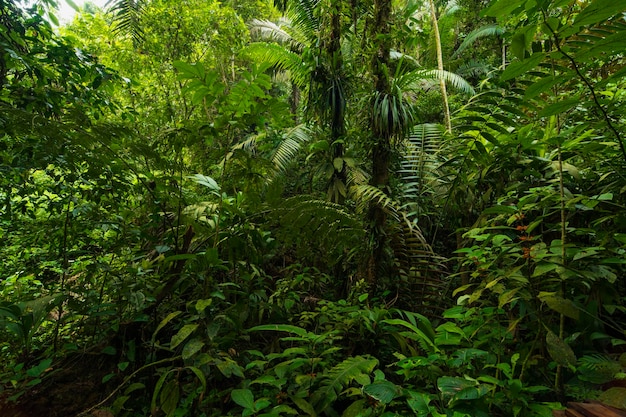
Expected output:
(607, 119)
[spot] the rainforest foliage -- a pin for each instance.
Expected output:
(312, 207)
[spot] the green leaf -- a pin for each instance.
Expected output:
(355, 409)
(520, 67)
(191, 348)
(164, 322)
(615, 397)
(418, 334)
(170, 395)
(200, 375)
(35, 371)
(134, 387)
(228, 368)
(73, 5)
(281, 328)
(420, 403)
(502, 8)
(451, 385)
(598, 11)
(543, 268)
(206, 181)
(182, 334)
(201, 305)
(243, 398)
(383, 391)
(109, 350)
(337, 378)
(562, 306)
(560, 352)
(304, 405)
(544, 84)
(559, 107)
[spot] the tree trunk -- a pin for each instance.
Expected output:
(442, 83)
(381, 150)
(338, 104)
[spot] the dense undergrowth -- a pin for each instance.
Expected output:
(207, 212)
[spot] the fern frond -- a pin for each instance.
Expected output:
(338, 378)
(314, 223)
(598, 369)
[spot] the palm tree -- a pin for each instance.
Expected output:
(310, 49)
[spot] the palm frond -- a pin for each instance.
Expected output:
(473, 68)
(127, 15)
(481, 32)
(303, 16)
(419, 166)
(401, 56)
(280, 58)
(366, 194)
(290, 146)
(268, 31)
(453, 80)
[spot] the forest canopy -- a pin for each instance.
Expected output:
(312, 207)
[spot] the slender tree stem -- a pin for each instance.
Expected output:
(442, 83)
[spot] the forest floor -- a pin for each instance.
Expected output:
(70, 389)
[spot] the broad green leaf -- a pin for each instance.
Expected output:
(417, 332)
(598, 11)
(191, 348)
(170, 395)
(281, 328)
(243, 398)
(164, 322)
(518, 68)
(134, 387)
(35, 371)
(304, 405)
(182, 334)
(451, 385)
(383, 391)
(559, 107)
(201, 305)
(355, 409)
(560, 352)
(502, 8)
(543, 268)
(542, 86)
(228, 368)
(207, 181)
(73, 5)
(562, 306)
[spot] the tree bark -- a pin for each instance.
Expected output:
(442, 83)
(381, 149)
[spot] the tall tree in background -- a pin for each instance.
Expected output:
(382, 124)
